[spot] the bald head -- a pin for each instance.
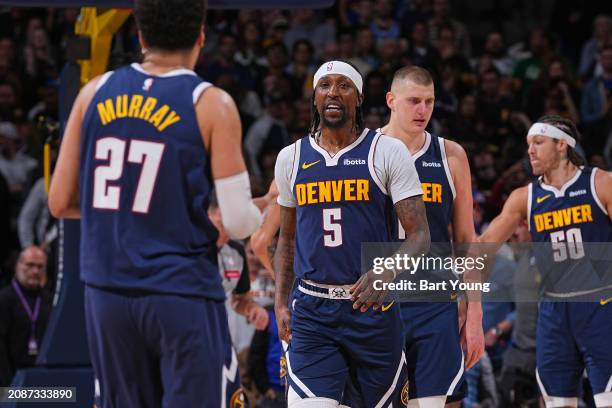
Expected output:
(31, 268)
(417, 75)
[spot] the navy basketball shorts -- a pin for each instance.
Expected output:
(433, 349)
(332, 342)
(159, 350)
(572, 337)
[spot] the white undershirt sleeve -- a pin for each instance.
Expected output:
(283, 172)
(394, 167)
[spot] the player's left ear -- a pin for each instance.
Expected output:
(562, 146)
(359, 100)
(390, 98)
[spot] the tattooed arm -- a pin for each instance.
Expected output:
(412, 216)
(283, 265)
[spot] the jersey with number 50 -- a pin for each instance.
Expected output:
(342, 201)
(561, 221)
(145, 182)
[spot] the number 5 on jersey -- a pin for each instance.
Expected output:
(332, 227)
(149, 154)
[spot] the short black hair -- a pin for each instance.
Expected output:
(170, 25)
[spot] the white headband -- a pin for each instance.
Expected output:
(340, 68)
(547, 130)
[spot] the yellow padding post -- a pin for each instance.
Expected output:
(100, 28)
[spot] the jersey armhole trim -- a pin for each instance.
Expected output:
(103, 80)
(296, 163)
(529, 198)
(371, 168)
(594, 192)
(199, 90)
(447, 170)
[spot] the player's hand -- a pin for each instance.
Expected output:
(363, 293)
(472, 335)
(283, 321)
(259, 317)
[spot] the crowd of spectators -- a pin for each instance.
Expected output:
(497, 66)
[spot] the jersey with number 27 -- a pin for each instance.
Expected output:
(145, 183)
(342, 201)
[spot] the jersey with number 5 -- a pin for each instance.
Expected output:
(145, 183)
(344, 201)
(560, 222)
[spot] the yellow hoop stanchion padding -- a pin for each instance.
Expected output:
(47, 165)
(100, 28)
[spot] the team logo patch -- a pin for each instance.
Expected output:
(237, 400)
(283, 367)
(147, 84)
(404, 394)
(338, 292)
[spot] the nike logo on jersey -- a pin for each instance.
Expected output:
(307, 165)
(542, 199)
(577, 193)
(605, 301)
(385, 308)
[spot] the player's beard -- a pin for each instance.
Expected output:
(336, 123)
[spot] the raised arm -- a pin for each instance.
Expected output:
(502, 227)
(221, 131)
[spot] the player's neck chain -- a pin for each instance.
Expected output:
(328, 144)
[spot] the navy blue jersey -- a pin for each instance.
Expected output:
(566, 218)
(438, 190)
(338, 206)
(145, 182)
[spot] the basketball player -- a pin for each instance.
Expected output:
(336, 187)
(565, 206)
(433, 347)
(142, 147)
